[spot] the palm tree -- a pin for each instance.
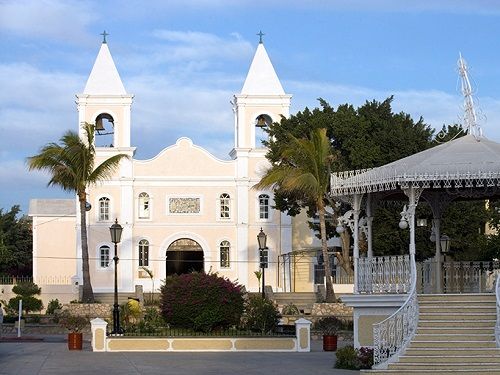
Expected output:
(71, 165)
(303, 171)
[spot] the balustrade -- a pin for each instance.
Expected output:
(388, 274)
(393, 334)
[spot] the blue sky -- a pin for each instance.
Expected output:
(183, 61)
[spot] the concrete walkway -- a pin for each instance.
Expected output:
(52, 357)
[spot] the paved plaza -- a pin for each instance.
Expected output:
(51, 357)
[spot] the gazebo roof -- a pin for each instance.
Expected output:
(464, 162)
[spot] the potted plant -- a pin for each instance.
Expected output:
(329, 327)
(74, 324)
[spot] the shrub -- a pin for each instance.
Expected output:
(52, 306)
(26, 291)
(290, 309)
(354, 359)
(347, 358)
(261, 314)
(329, 325)
(73, 323)
(201, 301)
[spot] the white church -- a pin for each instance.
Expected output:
(182, 210)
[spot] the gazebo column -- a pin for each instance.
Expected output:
(369, 221)
(356, 209)
(436, 227)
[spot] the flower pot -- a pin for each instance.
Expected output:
(329, 343)
(75, 341)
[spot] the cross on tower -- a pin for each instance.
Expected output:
(260, 34)
(104, 34)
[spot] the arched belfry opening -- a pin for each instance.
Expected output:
(262, 121)
(183, 256)
(104, 130)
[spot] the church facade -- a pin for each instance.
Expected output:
(182, 210)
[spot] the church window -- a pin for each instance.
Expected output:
(224, 254)
(104, 209)
(144, 205)
(104, 256)
(143, 253)
(264, 206)
(225, 201)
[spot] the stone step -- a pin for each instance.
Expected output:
(453, 344)
(462, 316)
(457, 298)
(443, 336)
(486, 371)
(479, 366)
(437, 354)
(454, 309)
(459, 330)
(484, 323)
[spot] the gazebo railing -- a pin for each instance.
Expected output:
(386, 274)
(457, 277)
(497, 326)
(392, 335)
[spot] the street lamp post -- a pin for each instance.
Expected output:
(262, 239)
(116, 234)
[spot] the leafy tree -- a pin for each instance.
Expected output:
(16, 249)
(71, 165)
(26, 292)
(303, 171)
(365, 137)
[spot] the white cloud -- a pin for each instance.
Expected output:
(56, 19)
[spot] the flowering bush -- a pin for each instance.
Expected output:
(354, 359)
(201, 301)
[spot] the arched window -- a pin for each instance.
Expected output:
(224, 254)
(104, 256)
(104, 209)
(224, 205)
(143, 206)
(264, 206)
(144, 253)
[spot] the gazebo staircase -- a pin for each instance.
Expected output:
(455, 335)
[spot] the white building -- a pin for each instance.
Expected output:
(182, 210)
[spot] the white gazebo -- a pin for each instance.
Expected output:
(385, 288)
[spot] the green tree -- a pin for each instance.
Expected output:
(365, 137)
(71, 165)
(303, 171)
(26, 291)
(16, 249)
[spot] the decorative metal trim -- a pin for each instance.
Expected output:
(389, 178)
(392, 335)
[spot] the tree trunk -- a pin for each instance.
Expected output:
(343, 258)
(88, 293)
(330, 293)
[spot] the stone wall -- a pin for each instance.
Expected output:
(336, 309)
(91, 310)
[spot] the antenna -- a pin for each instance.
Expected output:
(470, 117)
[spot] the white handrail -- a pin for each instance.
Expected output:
(497, 326)
(392, 335)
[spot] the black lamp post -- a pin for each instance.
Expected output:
(116, 234)
(262, 239)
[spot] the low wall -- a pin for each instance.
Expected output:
(63, 293)
(102, 343)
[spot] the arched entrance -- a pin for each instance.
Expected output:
(183, 256)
